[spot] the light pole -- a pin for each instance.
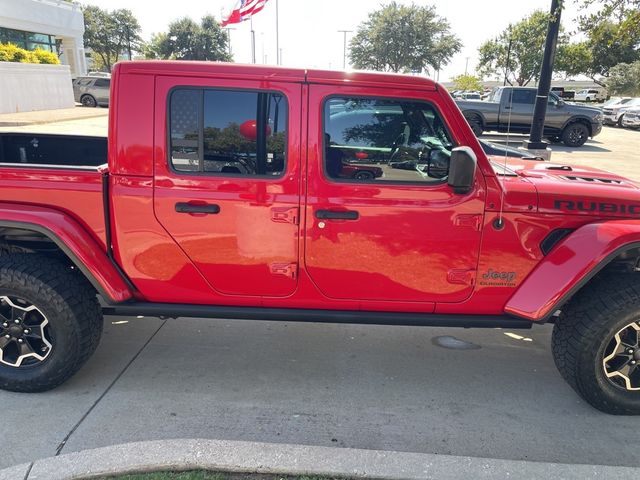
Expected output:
(228, 30)
(344, 48)
(540, 110)
(277, 36)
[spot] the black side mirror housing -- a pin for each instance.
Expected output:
(462, 169)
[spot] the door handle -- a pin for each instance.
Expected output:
(207, 208)
(337, 215)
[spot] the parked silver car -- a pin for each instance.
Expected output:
(614, 114)
(92, 91)
(631, 118)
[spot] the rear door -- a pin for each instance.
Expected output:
(101, 88)
(404, 236)
(227, 181)
(517, 110)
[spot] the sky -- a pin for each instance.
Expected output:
(308, 29)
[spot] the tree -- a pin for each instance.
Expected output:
(400, 38)
(612, 30)
(516, 54)
(624, 79)
(467, 83)
(110, 34)
(624, 13)
(188, 40)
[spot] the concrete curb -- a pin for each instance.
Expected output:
(49, 116)
(271, 458)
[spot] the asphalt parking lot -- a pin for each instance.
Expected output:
(369, 387)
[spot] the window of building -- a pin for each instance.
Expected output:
(230, 132)
(371, 139)
(28, 40)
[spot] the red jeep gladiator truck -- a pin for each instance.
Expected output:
(224, 196)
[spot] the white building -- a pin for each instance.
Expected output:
(35, 24)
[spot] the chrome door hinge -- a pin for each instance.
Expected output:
(285, 215)
(287, 269)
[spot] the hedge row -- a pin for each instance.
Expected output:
(12, 53)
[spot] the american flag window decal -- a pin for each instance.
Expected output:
(227, 132)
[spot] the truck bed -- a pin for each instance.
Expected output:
(45, 149)
(56, 171)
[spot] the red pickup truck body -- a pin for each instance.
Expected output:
(510, 250)
(413, 249)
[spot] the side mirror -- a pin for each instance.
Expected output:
(462, 169)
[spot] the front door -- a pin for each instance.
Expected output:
(397, 233)
(227, 187)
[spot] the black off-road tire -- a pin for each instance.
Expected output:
(583, 333)
(69, 304)
(475, 122)
(363, 175)
(575, 134)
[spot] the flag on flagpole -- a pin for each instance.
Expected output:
(244, 10)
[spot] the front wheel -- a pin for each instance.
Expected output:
(596, 344)
(475, 122)
(50, 322)
(575, 135)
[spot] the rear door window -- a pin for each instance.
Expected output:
(525, 97)
(102, 83)
(228, 132)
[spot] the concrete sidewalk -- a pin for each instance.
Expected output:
(50, 116)
(350, 386)
(282, 459)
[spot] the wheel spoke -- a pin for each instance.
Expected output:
(629, 338)
(34, 334)
(617, 362)
(4, 341)
(25, 349)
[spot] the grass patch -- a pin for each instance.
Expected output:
(204, 475)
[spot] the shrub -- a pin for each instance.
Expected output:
(11, 53)
(45, 56)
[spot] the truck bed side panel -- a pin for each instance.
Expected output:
(77, 193)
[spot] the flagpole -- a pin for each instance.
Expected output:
(277, 37)
(253, 42)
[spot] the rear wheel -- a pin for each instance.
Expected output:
(363, 176)
(596, 344)
(575, 134)
(475, 122)
(50, 322)
(88, 101)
